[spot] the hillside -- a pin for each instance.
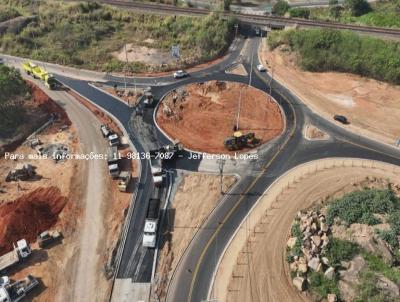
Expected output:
(88, 35)
(12, 89)
(342, 51)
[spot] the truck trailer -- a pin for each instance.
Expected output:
(113, 162)
(21, 251)
(40, 73)
(151, 223)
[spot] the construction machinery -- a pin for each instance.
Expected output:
(47, 238)
(124, 179)
(239, 141)
(21, 251)
(40, 73)
(113, 158)
(21, 172)
(151, 223)
(17, 291)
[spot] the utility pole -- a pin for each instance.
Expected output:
(221, 170)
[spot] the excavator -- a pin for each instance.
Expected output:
(239, 141)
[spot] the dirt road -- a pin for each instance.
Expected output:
(84, 263)
(254, 266)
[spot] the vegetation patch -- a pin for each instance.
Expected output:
(379, 13)
(13, 89)
(322, 50)
(336, 269)
(86, 34)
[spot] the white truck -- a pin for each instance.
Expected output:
(151, 223)
(21, 251)
(113, 162)
(15, 292)
(156, 171)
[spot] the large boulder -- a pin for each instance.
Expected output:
(299, 283)
(314, 263)
(291, 242)
(331, 298)
(330, 273)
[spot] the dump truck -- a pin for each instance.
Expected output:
(40, 73)
(46, 238)
(239, 141)
(113, 162)
(21, 251)
(15, 292)
(151, 223)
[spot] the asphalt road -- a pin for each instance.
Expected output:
(194, 274)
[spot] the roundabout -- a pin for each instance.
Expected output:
(203, 116)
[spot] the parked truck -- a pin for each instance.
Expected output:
(40, 73)
(124, 180)
(15, 292)
(113, 162)
(156, 170)
(47, 238)
(151, 223)
(21, 251)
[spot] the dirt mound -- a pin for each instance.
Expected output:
(29, 215)
(202, 115)
(45, 103)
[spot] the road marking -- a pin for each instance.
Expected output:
(367, 148)
(219, 227)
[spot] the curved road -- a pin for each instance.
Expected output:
(193, 276)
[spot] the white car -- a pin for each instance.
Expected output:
(180, 74)
(261, 68)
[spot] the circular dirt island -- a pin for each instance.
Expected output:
(202, 115)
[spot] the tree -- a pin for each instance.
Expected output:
(299, 12)
(334, 9)
(280, 8)
(227, 5)
(357, 7)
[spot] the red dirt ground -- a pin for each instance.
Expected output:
(29, 215)
(206, 115)
(44, 102)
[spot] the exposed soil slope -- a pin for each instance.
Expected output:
(29, 215)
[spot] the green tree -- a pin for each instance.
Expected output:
(299, 12)
(357, 7)
(334, 9)
(227, 5)
(280, 8)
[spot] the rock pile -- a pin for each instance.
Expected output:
(307, 246)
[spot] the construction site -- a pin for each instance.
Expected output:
(202, 116)
(43, 207)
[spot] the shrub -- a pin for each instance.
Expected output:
(357, 7)
(280, 8)
(299, 12)
(341, 250)
(359, 206)
(322, 285)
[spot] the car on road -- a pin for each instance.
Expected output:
(341, 118)
(1, 61)
(180, 74)
(261, 68)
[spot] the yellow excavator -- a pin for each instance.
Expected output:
(239, 141)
